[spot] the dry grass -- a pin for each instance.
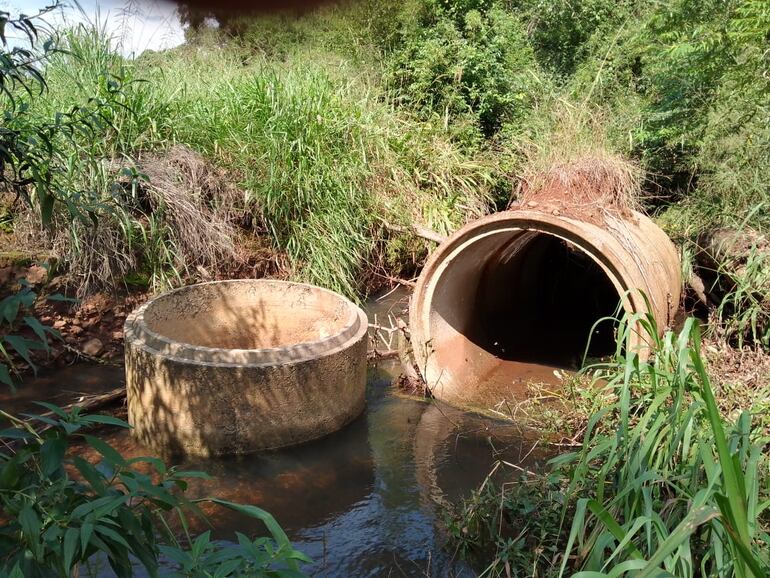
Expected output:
(176, 220)
(569, 167)
(96, 257)
(587, 187)
(198, 204)
(741, 382)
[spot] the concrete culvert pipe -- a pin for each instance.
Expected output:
(232, 367)
(527, 286)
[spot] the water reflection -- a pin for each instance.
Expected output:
(365, 501)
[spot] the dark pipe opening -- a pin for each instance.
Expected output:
(538, 299)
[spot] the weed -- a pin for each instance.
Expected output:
(662, 483)
(57, 523)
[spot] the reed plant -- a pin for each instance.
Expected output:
(673, 488)
(663, 484)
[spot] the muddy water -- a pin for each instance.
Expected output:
(368, 500)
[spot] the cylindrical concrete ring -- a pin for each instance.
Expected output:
(231, 367)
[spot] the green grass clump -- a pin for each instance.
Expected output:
(301, 144)
(321, 153)
(663, 485)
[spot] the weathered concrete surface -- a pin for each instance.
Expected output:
(518, 286)
(232, 367)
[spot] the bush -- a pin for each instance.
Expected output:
(460, 60)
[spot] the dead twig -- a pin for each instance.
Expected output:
(416, 230)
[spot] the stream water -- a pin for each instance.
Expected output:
(368, 500)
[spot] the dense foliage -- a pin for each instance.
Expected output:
(459, 60)
(61, 515)
(352, 115)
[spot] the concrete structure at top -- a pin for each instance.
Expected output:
(232, 367)
(531, 286)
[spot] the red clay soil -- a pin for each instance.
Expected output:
(588, 189)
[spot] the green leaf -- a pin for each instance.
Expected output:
(47, 202)
(110, 454)
(9, 308)
(60, 297)
(100, 506)
(111, 534)
(91, 475)
(23, 346)
(52, 455)
(42, 331)
(85, 534)
(10, 474)
(267, 519)
(609, 522)
(681, 533)
(176, 555)
(105, 419)
(55, 409)
(5, 375)
(30, 523)
(70, 548)
(15, 433)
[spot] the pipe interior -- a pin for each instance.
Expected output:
(247, 316)
(520, 296)
(538, 301)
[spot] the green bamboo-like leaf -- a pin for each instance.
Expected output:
(736, 507)
(71, 537)
(23, 346)
(41, 331)
(110, 454)
(30, 523)
(681, 533)
(270, 523)
(106, 420)
(52, 455)
(55, 409)
(615, 529)
(5, 375)
(85, 534)
(91, 475)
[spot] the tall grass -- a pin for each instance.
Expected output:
(321, 155)
(663, 484)
(674, 490)
(301, 144)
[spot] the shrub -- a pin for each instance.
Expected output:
(462, 60)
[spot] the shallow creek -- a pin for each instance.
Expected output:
(368, 500)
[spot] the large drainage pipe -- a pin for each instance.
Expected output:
(528, 286)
